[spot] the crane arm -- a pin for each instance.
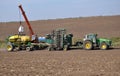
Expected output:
(25, 17)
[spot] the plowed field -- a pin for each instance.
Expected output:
(75, 62)
(60, 63)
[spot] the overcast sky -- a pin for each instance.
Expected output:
(52, 9)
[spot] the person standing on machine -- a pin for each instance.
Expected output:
(20, 30)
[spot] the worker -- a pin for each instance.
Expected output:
(21, 30)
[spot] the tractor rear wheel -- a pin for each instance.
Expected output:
(103, 46)
(88, 45)
(9, 47)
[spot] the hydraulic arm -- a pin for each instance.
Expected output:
(26, 19)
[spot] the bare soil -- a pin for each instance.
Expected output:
(75, 62)
(60, 63)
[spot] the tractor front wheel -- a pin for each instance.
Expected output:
(88, 45)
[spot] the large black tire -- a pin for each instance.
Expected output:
(103, 46)
(9, 47)
(88, 45)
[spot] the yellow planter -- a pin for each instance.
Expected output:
(15, 38)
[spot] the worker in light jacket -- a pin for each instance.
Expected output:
(20, 30)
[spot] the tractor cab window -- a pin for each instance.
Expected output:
(90, 36)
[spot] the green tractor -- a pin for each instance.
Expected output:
(91, 41)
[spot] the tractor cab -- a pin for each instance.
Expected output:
(91, 37)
